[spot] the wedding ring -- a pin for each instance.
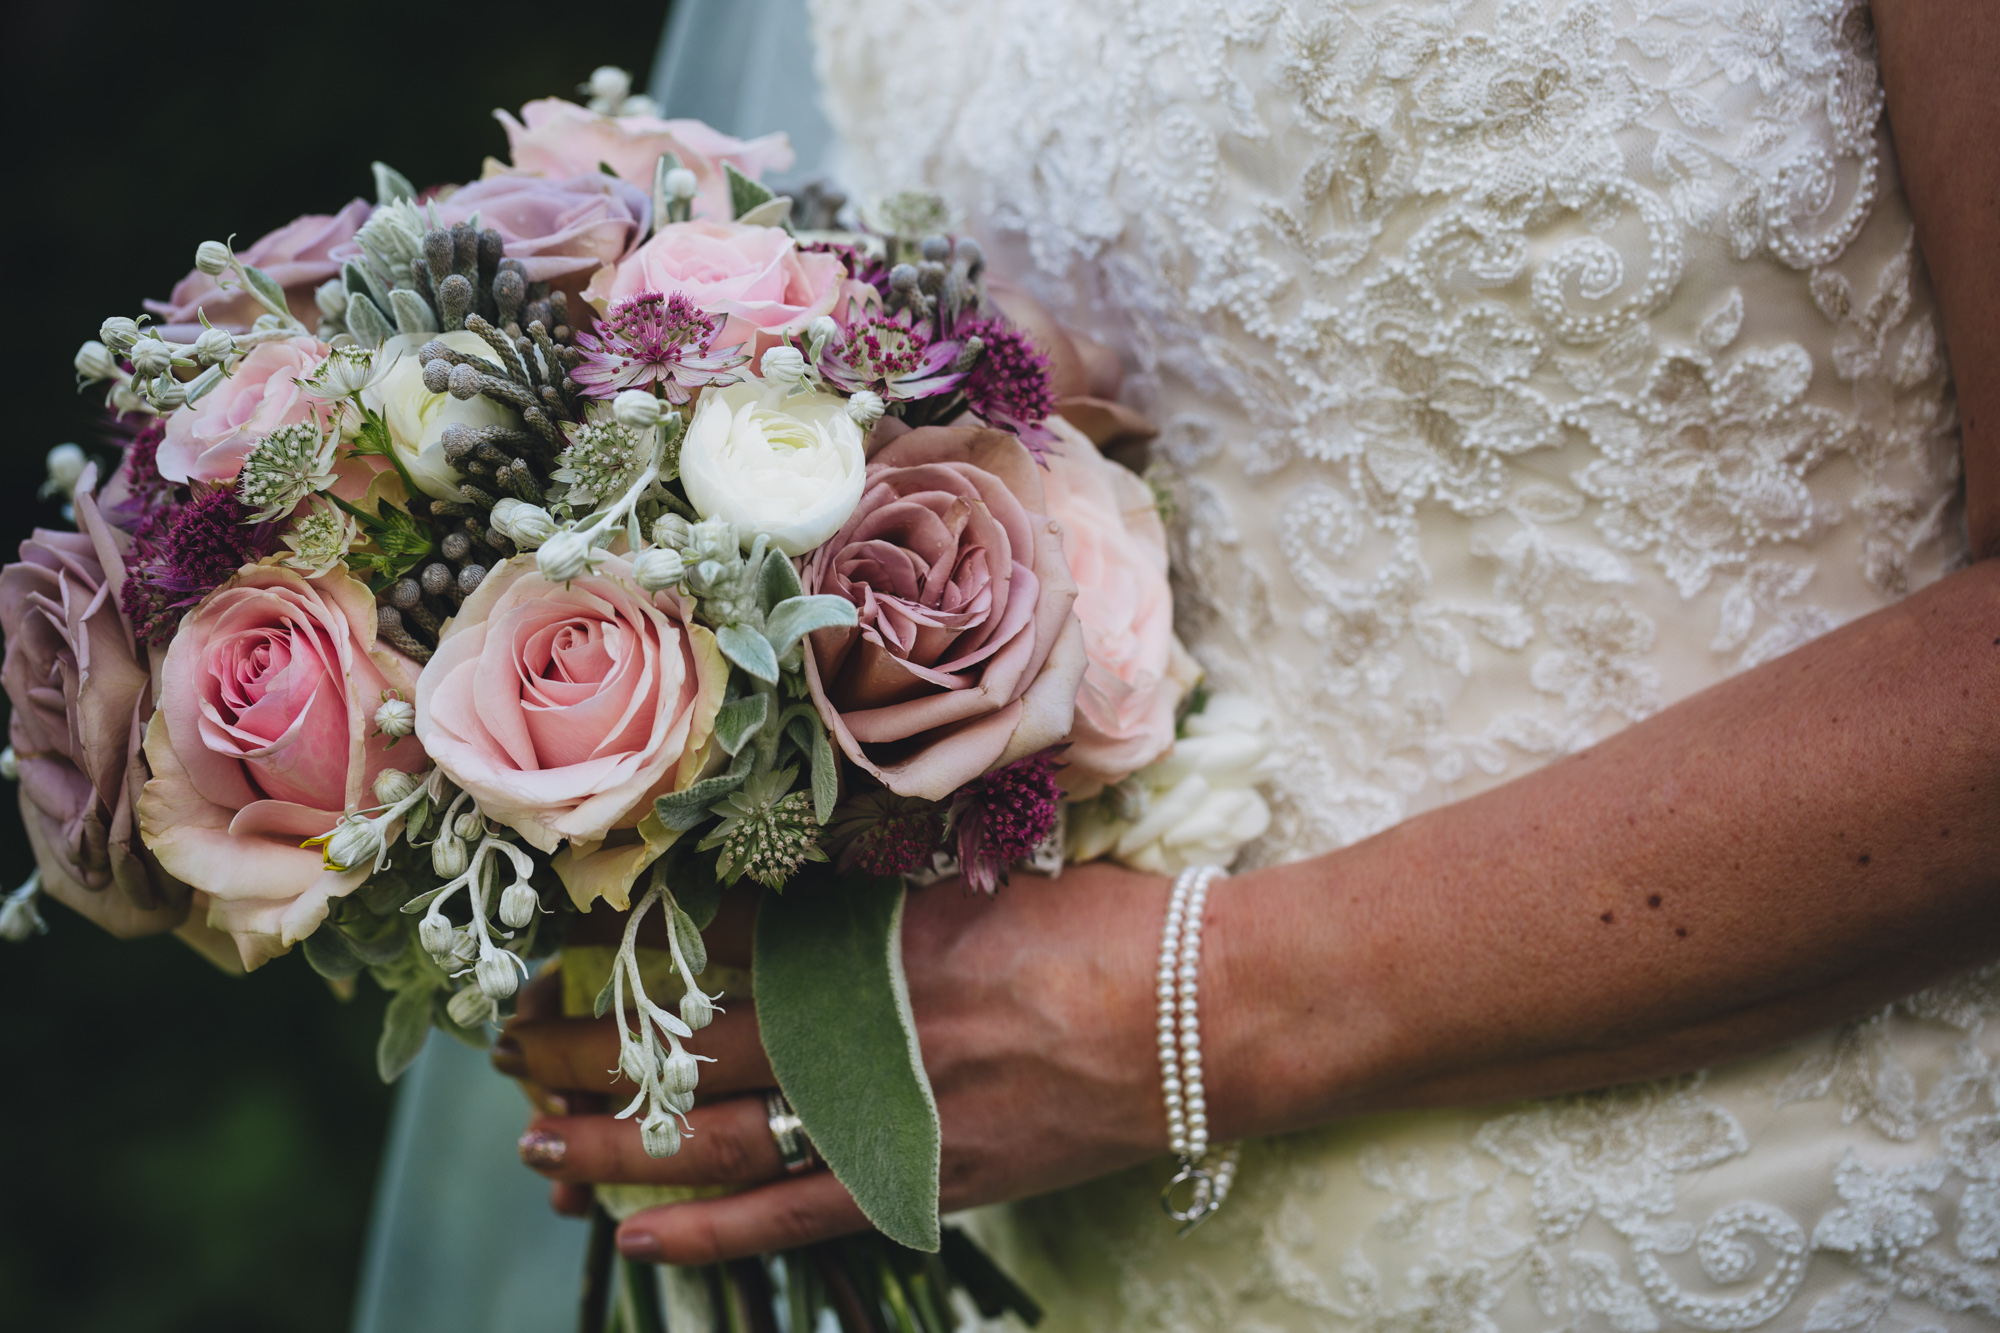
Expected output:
(795, 1150)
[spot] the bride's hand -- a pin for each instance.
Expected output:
(1035, 1013)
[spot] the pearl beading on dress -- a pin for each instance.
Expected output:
(1179, 1029)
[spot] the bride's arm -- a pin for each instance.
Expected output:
(1941, 71)
(1799, 843)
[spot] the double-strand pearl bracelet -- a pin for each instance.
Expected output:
(1180, 1056)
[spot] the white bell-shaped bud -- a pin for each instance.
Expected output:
(469, 826)
(356, 842)
(436, 934)
(530, 526)
(636, 409)
(212, 258)
(66, 463)
(661, 1134)
(213, 345)
(396, 717)
(449, 856)
(865, 408)
(95, 362)
(464, 946)
(10, 765)
(498, 975)
(682, 185)
(697, 1010)
(673, 532)
(393, 785)
(658, 569)
(819, 333)
(563, 557)
(519, 904)
(679, 1072)
(119, 333)
(470, 1008)
(784, 364)
(151, 356)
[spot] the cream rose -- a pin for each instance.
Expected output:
(416, 417)
(788, 467)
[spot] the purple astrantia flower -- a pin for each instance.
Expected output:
(887, 834)
(654, 339)
(1009, 384)
(889, 355)
(181, 555)
(1001, 818)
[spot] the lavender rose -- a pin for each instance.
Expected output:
(78, 686)
(967, 655)
(556, 228)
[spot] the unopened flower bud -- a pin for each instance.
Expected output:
(94, 361)
(212, 258)
(470, 1008)
(66, 463)
(213, 345)
(610, 84)
(658, 569)
(166, 393)
(564, 556)
(436, 934)
(678, 1102)
(530, 526)
(119, 333)
(355, 842)
(449, 856)
(636, 409)
(18, 916)
(784, 364)
(632, 1063)
(865, 408)
(819, 333)
(519, 904)
(123, 400)
(469, 826)
(498, 975)
(697, 1010)
(681, 185)
(464, 945)
(10, 765)
(713, 539)
(679, 1072)
(396, 717)
(151, 356)
(661, 1134)
(673, 532)
(393, 785)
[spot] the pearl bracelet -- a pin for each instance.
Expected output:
(1180, 1056)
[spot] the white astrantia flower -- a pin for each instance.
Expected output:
(284, 468)
(320, 538)
(1196, 805)
(789, 466)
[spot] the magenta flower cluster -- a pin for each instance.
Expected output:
(1003, 817)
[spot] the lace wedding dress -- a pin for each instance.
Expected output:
(1522, 367)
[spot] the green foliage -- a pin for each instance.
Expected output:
(834, 1011)
(391, 184)
(744, 193)
(749, 650)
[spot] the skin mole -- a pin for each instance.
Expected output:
(1606, 918)
(1653, 901)
(1863, 859)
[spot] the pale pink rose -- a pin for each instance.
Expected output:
(967, 655)
(208, 440)
(556, 228)
(755, 276)
(565, 710)
(81, 699)
(1117, 552)
(298, 256)
(558, 138)
(264, 737)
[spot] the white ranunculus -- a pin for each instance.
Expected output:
(789, 466)
(1195, 806)
(417, 417)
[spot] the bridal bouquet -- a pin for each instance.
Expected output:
(592, 538)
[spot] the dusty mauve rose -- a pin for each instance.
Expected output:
(755, 276)
(565, 710)
(558, 138)
(1117, 552)
(298, 256)
(264, 737)
(967, 655)
(81, 699)
(208, 440)
(556, 228)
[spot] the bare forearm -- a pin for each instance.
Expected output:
(1799, 843)
(1941, 71)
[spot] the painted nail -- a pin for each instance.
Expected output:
(641, 1245)
(543, 1149)
(508, 1057)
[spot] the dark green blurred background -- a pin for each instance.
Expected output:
(180, 1150)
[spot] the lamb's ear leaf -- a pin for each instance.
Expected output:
(744, 193)
(796, 617)
(406, 1023)
(750, 650)
(682, 810)
(777, 580)
(738, 721)
(391, 184)
(330, 954)
(857, 1083)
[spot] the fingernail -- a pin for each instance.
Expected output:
(641, 1245)
(508, 1057)
(543, 1150)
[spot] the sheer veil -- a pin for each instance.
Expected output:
(462, 1236)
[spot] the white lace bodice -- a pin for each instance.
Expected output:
(1522, 367)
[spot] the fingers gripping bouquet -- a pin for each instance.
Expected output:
(573, 542)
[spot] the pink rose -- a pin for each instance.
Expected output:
(565, 710)
(208, 440)
(556, 228)
(81, 700)
(558, 138)
(265, 736)
(1117, 552)
(756, 276)
(299, 256)
(967, 656)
